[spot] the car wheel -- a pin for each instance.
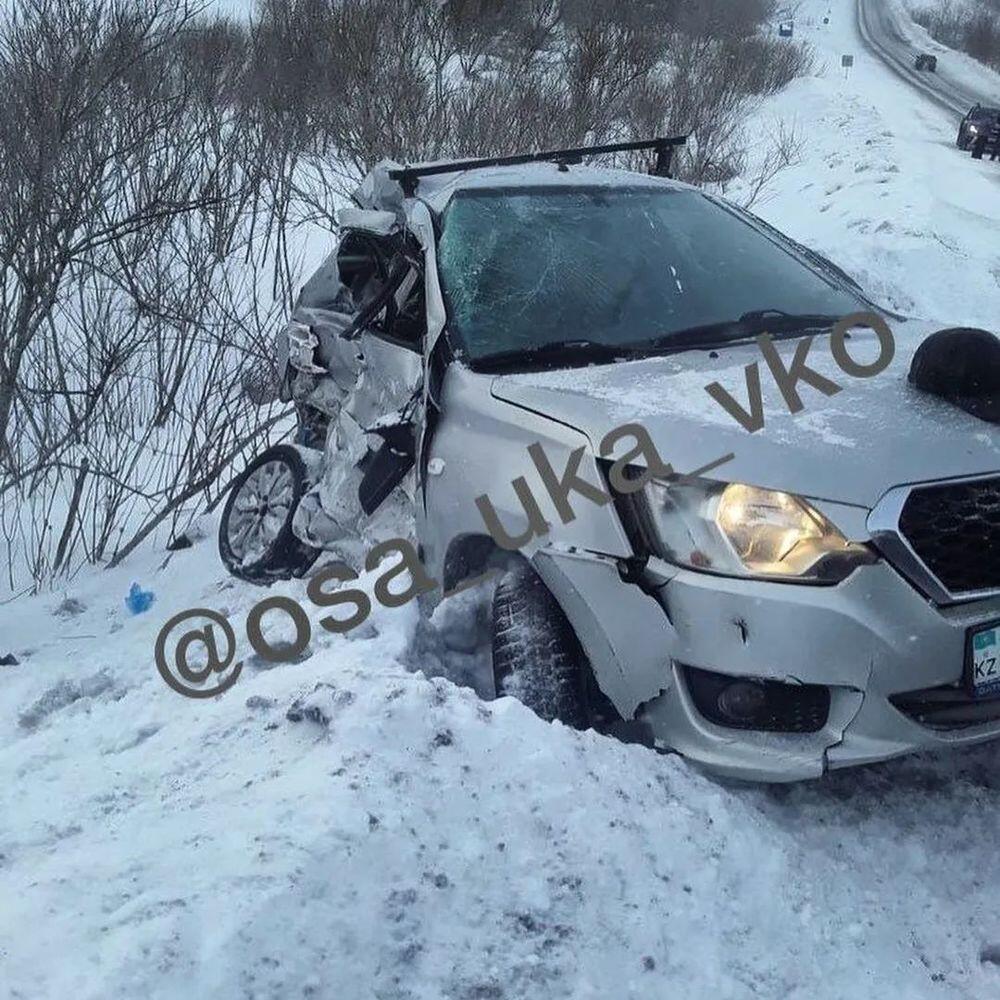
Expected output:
(256, 541)
(536, 655)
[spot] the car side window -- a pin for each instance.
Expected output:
(409, 320)
(364, 272)
(386, 283)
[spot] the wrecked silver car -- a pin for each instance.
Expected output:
(559, 372)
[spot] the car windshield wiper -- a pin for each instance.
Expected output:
(577, 350)
(584, 351)
(750, 325)
(778, 321)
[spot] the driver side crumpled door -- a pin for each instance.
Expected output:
(370, 391)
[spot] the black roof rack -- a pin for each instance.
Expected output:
(409, 176)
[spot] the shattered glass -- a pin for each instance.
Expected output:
(622, 266)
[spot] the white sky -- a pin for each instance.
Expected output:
(234, 6)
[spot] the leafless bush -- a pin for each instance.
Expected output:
(129, 192)
(973, 29)
(154, 165)
(780, 150)
(415, 79)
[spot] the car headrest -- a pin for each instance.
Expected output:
(961, 365)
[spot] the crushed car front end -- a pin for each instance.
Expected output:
(777, 682)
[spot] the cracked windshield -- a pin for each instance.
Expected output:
(619, 267)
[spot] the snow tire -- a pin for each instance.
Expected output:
(537, 657)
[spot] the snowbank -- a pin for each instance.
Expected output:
(346, 827)
(343, 827)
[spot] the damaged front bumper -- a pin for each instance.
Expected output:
(870, 641)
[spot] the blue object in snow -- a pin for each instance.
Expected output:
(139, 600)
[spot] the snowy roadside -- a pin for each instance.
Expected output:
(358, 825)
(345, 828)
(881, 187)
(977, 76)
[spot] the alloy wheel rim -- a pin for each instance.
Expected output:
(260, 510)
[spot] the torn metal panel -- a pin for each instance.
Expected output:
(624, 632)
(379, 191)
(301, 348)
(324, 368)
(324, 289)
(373, 221)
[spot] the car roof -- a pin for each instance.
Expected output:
(437, 191)
(379, 191)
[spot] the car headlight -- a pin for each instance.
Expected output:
(740, 530)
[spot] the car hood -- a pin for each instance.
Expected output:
(851, 448)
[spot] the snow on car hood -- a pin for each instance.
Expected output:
(851, 448)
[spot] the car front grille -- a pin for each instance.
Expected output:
(954, 529)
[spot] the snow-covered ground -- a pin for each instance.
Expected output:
(978, 76)
(359, 825)
(405, 839)
(881, 187)
(975, 74)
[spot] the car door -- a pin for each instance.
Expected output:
(383, 407)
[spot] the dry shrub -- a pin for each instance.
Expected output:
(130, 193)
(154, 164)
(974, 28)
(415, 79)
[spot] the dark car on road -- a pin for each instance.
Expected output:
(977, 122)
(925, 61)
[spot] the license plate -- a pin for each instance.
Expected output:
(984, 661)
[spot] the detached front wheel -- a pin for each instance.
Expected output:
(256, 541)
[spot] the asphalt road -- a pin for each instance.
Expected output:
(881, 34)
